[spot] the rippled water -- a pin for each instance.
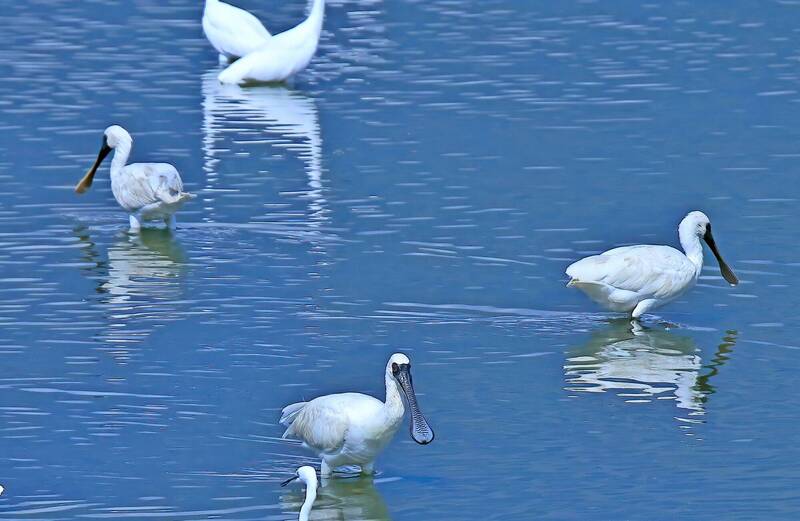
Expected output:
(420, 188)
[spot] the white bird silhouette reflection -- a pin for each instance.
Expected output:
(271, 115)
(645, 364)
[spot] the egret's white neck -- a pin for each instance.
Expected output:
(315, 17)
(311, 496)
(394, 400)
(121, 154)
(690, 243)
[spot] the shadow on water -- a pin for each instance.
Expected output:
(345, 499)
(642, 364)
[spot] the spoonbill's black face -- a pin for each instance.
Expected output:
(421, 432)
(727, 272)
(87, 180)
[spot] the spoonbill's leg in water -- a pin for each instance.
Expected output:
(171, 222)
(135, 223)
(643, 307)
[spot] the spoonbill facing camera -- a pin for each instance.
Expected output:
(352, 428)
(637, 279)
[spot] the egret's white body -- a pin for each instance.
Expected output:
(232, 31)
(351, 428)
(308, 476)
(284, 55)
(639, 278)
(147, 191)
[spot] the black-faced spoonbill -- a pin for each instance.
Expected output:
(147, 191)
(639, 278)
(352, 428)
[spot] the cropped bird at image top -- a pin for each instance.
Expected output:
(147, 191)
(232, 31)
(352, 428)
(636, 279)
(283, 55)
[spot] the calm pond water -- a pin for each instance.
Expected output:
(420, 188)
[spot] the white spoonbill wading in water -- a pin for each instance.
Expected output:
(639, 278)
(283, 56)
(308, 476)
(351, 428)
(147, 191)
(232, 31)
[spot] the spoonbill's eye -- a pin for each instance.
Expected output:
(395, 368)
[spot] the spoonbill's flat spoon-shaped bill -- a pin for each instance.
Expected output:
(283, 56)
(232, 31)
(636, 279)
(147, 191)
(308, 476)
(352, 428)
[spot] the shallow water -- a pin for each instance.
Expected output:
(420, 188)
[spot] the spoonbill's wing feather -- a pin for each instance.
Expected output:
(232, 31)
(321, 424)
(290, 412)
(653, 271)
(144, 184)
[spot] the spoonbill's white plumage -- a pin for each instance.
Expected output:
(147, 191)
(232, 31)
(636, 279)
(308, 476)
(351, 428)
(284, 55)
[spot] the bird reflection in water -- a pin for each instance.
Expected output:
(342, 499)
(645, 364)
(275, 115)
(138, 284)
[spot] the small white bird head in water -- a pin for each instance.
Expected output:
(113, 137)
(305, 474)
(698, 224)
(399, 368)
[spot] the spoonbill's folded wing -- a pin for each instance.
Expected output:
(653, 271)
(321, 423)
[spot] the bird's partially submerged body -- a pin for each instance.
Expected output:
(147, 191)
(232, 31)
(351, 428)
(282, 56)
(637, 279)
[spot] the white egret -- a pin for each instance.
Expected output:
(232, 31)
(308, 476)
(147, 191)
(636, 279)
(351, 428)
(283, 55)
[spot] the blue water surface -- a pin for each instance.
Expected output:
(420, 188)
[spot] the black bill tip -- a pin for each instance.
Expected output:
(293, 478)
(726, 271)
